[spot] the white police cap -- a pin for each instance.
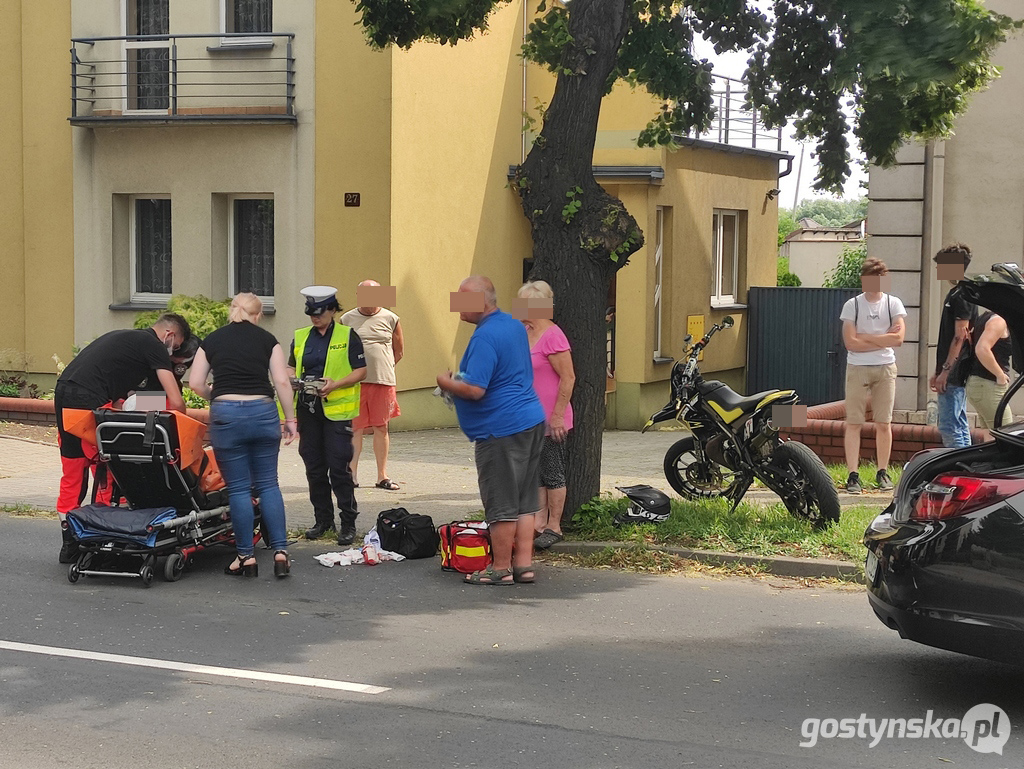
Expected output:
(319, 298)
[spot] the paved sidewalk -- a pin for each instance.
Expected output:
(433, 467)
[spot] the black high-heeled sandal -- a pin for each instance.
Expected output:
(245, 569)
(282, 568)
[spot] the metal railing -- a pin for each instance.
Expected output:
(226, 76)
(735, 123)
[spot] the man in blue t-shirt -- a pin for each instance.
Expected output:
(499, 411)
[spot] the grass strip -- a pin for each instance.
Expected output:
(711, 525)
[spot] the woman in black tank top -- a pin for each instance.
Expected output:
(245, 428)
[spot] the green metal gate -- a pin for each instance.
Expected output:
(795, 341)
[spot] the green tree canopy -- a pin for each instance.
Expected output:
(829, 212)
(787, 223)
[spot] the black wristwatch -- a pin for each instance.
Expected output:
(946, 367)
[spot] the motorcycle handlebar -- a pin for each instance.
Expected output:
(705, 339)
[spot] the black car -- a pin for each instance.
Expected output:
(945, 563)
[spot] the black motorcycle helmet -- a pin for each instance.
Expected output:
(646, 505)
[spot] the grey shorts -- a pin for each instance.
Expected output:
(508, 472)
(552, 464)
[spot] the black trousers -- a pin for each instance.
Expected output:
(326, 449)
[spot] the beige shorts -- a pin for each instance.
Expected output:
(984, 395)
(876, 382)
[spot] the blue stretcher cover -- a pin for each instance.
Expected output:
(102, 522)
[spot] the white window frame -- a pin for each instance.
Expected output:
(136, 296)
(268, 301)
(230, 41)
(719, 296)
(126, 46)
(659, 264)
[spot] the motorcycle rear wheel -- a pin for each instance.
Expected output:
(815, 498)
(696, 477)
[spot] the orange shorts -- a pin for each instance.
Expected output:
(378, 404)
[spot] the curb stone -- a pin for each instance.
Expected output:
(780, 565)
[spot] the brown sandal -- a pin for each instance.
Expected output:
(519, 575)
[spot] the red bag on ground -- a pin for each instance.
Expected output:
(465, 546)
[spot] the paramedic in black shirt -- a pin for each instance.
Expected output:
(327, 365)
(105, 372)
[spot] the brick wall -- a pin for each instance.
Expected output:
(826, 427)
(27, 411)
(35, 411)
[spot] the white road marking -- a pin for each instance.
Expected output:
(187, 667)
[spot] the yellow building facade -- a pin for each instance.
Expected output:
(231, 151)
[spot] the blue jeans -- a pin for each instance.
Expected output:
(246, 438)
(952, 418)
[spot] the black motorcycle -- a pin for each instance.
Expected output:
(732, 441)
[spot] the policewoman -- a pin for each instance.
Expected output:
(327, 365)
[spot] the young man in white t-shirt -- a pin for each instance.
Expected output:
(873, 324)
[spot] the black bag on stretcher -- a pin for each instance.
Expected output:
(407, 534)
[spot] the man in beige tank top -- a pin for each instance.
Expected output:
(383, 345)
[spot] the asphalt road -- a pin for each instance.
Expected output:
(586, 669)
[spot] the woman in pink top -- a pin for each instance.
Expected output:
(553, 380)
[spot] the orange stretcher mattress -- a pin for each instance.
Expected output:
(82, 424)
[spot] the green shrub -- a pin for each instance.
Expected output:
(847, 271)
(192, 400)
(783, 277)
(203, 315)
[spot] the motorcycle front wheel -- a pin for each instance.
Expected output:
(694, 476)
(804, 484)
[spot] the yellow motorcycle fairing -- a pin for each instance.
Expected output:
(775, 397)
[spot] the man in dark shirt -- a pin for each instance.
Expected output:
(332, 354)
(953, 351)
(104, 372)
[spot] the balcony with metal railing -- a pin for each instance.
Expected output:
(160, 79)
(735, 124)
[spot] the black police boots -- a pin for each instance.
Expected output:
(347, 534)
(318, 530)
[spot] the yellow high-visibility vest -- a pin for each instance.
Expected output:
(343, 403)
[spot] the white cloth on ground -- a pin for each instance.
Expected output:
(353, 556)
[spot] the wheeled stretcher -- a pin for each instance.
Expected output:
(169, 500)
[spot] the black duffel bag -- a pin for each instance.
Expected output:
(407, 533)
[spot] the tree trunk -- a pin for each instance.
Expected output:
(578, 249)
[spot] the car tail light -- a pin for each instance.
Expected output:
(951, 495)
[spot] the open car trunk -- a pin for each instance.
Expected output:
(1002, 291)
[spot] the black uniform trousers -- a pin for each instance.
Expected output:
(326, 449)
